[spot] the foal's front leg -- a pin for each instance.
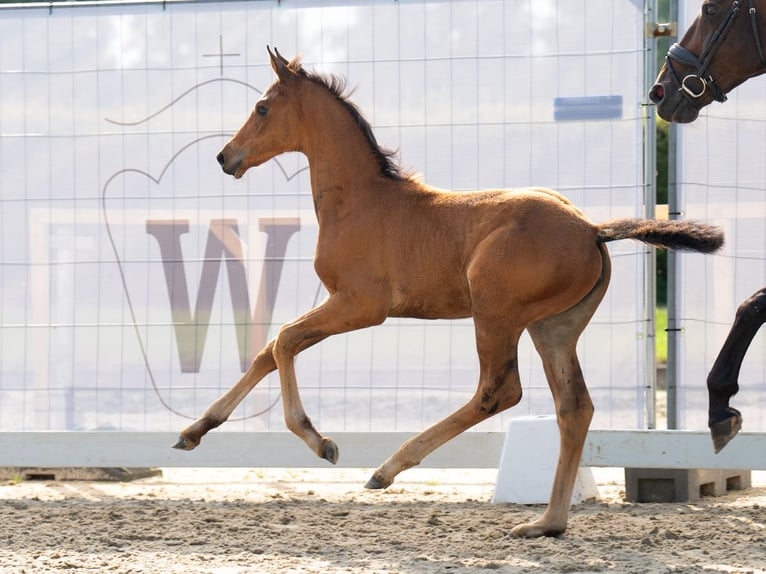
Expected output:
(333, 316)
(221, 408)
(338, 314)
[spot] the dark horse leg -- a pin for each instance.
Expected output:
(722, 382)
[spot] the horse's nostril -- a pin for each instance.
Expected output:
(657, 93)
(221, 159)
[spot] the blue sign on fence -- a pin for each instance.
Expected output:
(587, 108)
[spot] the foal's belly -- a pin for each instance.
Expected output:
(436, 302)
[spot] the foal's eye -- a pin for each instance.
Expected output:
(261, 110)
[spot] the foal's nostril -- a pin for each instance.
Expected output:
(221, 159)
(657, 93)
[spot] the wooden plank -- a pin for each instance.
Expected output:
(230, 449)
(672, 449)
(603, 448)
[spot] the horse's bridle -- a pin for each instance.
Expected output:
(694, 85)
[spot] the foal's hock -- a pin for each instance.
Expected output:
(390, 246)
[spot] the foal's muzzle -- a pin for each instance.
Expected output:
(230, 162)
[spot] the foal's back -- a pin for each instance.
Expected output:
(444, 250)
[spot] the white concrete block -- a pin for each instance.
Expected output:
(528, 463)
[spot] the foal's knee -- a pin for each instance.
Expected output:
(289, 342)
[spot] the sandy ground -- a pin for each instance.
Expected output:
(295, 521)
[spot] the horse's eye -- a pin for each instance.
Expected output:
(261, 110)
(710, 9)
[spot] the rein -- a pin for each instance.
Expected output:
(694, 85)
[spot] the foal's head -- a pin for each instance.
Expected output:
(279, 121)
(272, 126)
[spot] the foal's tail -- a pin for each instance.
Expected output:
(662, 233)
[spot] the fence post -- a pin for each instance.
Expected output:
(674, 212)
(650, 199)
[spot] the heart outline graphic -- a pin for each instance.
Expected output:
(157, 180)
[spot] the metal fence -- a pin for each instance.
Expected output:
(137, 281)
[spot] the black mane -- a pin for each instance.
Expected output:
(336, 85)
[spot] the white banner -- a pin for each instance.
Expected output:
(137, 280)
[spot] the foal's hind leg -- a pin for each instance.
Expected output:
(574, 411)
(555, 338)
(722, 382)
(499, 388)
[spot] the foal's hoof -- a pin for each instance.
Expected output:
(535, 530)
(184, 444)
(330, 450)
(377, 482)
(725, 430)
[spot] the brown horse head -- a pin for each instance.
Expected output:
(721, 49)
(270, 129)
(287, 118)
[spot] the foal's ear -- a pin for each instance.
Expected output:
(280, 66)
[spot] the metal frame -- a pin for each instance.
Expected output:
(605, 448)
(650, 200)
(33, 4)
(673, 327)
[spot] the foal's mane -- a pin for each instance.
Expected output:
(336, 85)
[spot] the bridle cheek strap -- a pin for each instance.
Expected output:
(756, 35)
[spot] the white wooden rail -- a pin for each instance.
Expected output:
(604, 448)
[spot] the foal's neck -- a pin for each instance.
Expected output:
(341, 157)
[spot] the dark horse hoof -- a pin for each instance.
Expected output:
(725, 430)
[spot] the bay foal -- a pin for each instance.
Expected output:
(390, 246)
